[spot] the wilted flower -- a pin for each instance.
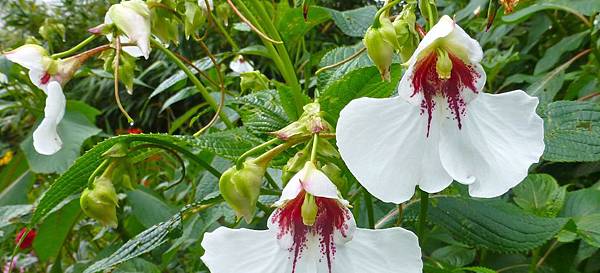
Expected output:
(441, 127)
(313, 231)
(240, 65)
(133, 19)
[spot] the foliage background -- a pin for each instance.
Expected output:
(550, 223)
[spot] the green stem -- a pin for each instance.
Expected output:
(423, 214)
(223, 31)
(315, 146)
(431, 20)
(535, 255)
(75, 48)
(211, 101)
(376, 21)
(252, 151)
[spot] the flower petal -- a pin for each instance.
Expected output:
(134, 24)
(46, 140)
(501, 137)
(29, 56)
(244, 250)
(240, 65)
(312, 181)
(393, 250)
(385, 145)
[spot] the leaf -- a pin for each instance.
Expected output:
(455, 256)
(292, 25)
(52, 233)
(261, 112)
(364, 82)
(9, 213)
(142, 243)
(554, 52)
(540, 194)
(179, 96)
(584, 208)
(229, 144)
(137, 265)
(547, 87)
(493, 224)
(478, 269)
(74, 129)
(354, 22)
(337, 55)
(572, 131)
(16, 193)
(148, 209)
(202, 64)
(579, 7)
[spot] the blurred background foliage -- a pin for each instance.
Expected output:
(549, 48)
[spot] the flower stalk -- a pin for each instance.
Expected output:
(75, 48)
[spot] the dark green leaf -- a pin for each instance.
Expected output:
(540, 194)
(148, 209)
(337, 55)
(53, 232)
(261, 112)
(554, 52)
(354, 22)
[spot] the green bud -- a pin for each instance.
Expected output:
(253, 81)
(327, 149)
(194, 18)
(294, 165)
(443, 65)
(379, 51)
(241, 188)
(101, 202)
(119, 150)
(309, 210)
(406, 33)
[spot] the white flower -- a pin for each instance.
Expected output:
(133, 19)
(48, 75)
(441, 127)
(332, 244)
(240, 65)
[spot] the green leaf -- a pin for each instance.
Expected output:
(354, 22)
(547, 87)
(364, 82)
(292, 26)
(337, 55)
(52, 233)
(580, 7)
(74, 129)
(137, 265)
(16, 193)
(148, 209)
(142, 243)
(455, 256)
(588, 228)
(261, 112)
(13, 171)
(572, 131)
(540, 194)
(584, 208)
(9, 213)
(229, 144)
(554, 52)
(179, 96)
(180, 76)
(478, 269)
(493, 224)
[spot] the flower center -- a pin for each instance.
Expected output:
(331, 217)
(45, 79)
(442, 74)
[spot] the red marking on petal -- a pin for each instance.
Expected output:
(45, 79)
(331, 217)
(427, 82)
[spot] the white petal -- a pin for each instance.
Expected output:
(292, 189)
(394, 250)
(447, 34)
(312, 181)
(243, 250)
(36, 78)
(240, 65)
(385, 145)
(46, 140)
(29, 56)
(501, 137)
(202, 4)
(134, 25)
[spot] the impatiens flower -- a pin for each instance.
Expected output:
(441, 127)
(240, 65)
(133, 19)
(46, 140)
(28, 240)
(202, 4)
(311, 231)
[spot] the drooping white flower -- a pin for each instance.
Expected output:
(330, 243)
(202, 4)
(441, 127)
(240, 65)
(47, 74)
(133, 19)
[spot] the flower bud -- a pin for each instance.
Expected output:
(294, 165)
(379, 51)
(253, 81)
(133, 19)
(309, 210)
(406, 33)
(310, 122)
(101, 202)
(241, 188)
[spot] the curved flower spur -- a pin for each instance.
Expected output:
(311, 231)
(441, 127)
